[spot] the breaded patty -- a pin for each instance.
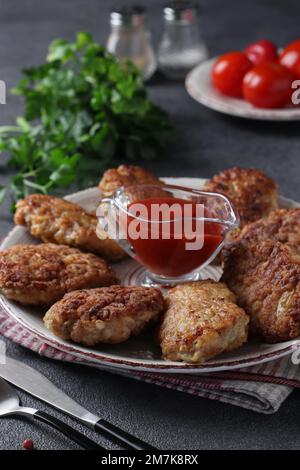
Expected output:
(265, 276)
(252, 193)
(201, 321)
(42, 274)
(282, 225)
(59, 221)
(105, 315)
(125, 175)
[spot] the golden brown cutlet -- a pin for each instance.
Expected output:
(282, 225)
(59, 221)
(125, 175)
(201, 321)
(42, 274)
(265, 276)
(252, 193)
(105, 315)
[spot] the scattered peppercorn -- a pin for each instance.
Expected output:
(27, 444)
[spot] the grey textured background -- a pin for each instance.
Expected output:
(205, 143)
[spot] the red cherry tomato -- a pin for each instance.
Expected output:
(228, 72)
(261, 51)
(268, 85)
(290, 58)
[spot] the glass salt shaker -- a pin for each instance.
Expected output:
(181, 47)
(130, 39)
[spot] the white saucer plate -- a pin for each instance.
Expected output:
(199, 86)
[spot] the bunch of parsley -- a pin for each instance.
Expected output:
(83, 110)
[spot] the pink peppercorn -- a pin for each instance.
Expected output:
(27, 444)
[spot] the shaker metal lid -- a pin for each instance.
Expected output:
(182, 10)
(128, 15)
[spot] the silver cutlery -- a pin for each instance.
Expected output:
(36, 384)
(10, 405)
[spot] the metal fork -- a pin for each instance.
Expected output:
(10, 405)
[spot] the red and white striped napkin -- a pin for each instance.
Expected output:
(262, 388)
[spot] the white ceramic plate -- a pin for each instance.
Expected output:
(140, 353)
(198, 85)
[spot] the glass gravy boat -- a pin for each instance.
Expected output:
(172, 231)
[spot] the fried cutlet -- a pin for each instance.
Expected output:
(105, 315)
(63, 222)
(252, 193)
(42, 274)
(201, 321)
(265, 276)
(125, 175)
(282, 225)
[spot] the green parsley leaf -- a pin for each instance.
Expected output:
(83, 112)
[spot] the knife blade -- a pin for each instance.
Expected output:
(36, 384)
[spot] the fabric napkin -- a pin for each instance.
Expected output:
(262, 388)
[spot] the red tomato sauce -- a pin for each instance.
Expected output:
(170, 257)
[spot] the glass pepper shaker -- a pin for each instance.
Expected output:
(130, 39)
(181, 46)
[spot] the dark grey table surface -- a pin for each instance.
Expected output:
(206, 142)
